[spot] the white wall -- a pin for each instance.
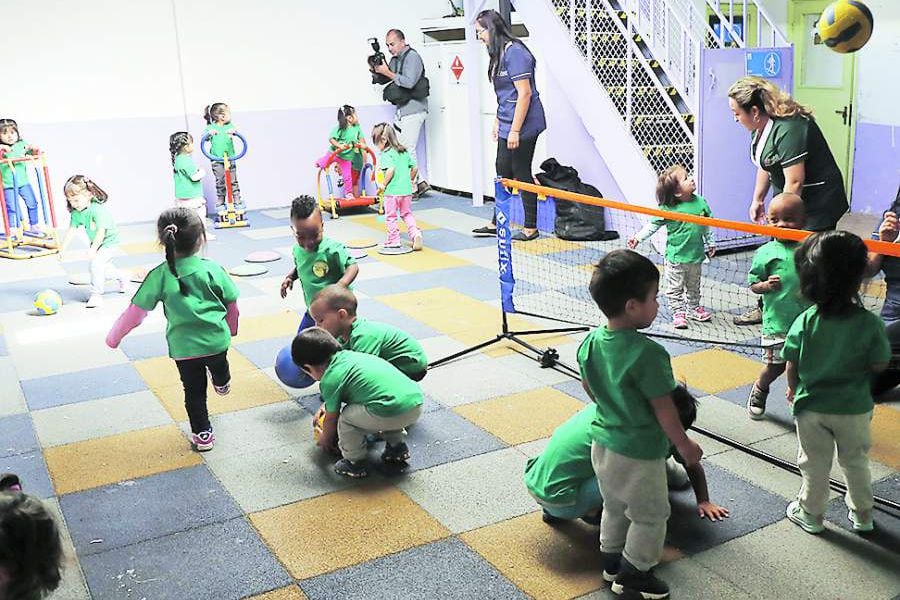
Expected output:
(878, 66)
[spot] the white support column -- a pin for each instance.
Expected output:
(473, 56)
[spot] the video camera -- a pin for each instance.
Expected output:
(376, 59)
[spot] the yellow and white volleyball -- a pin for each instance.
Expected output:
(846, 25)
(319, 423)
(47, 302)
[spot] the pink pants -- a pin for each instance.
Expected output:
(346, 171)
(404, 204)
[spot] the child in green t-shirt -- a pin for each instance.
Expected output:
(15, 176)
(86, 203)
(200, 304)
(774, 276)
(629, 377)
(334, 310)
(563, 482)
(346, 137)
(832, 350)
(399, 168)
(188, 177)
(318, 261)
(376, 398)
(687, 244)
(221, 142)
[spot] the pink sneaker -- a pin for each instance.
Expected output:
(699, 314)
(679, 321)
(203, 441)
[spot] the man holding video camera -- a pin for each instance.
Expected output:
(407, 90)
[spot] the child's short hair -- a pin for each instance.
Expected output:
(831, 266)
(313, 346)
(10, 124)
(685, 404)
(336, 297)
(667, 186)
(30, 547)
(620, 276)
(302, 207)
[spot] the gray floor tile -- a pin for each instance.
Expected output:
(32, 471)
(145, 345)
(72, 586)
(472, 379)
(91, 384)
(443, 436)
(12, 400)
(17, 435)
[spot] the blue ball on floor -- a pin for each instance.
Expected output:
(289, 373)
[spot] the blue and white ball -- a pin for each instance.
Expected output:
(47, 302)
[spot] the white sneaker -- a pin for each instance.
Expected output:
(94, 301)
(417, 242)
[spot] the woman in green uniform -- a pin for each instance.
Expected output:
(791, 155)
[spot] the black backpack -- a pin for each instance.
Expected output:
(399, 96)
(574, 221)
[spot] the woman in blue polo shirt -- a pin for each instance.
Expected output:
(520, 115)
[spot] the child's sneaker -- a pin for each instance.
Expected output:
(645, 583)
(548, 518)
(612, 562)
(9, 482)
(756, 403)
(94, 301)
(351, 469)
(203, 441)
(808, 522)
(395, 454)
(223, 390)
(679, 321)
(392, 245)
(862, 521)
(418, 242)
(699, 314)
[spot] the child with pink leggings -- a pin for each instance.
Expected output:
(399, 168)
(346, 137)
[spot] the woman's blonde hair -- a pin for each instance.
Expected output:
(767, 97)
(385, 132)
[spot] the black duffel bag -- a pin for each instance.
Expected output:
(574, 221)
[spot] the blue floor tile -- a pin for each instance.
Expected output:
(32, 471)
(218, 561)
(574, 389)
(443, 436)
(447, 240)
(887, 525)
(69, 388)
(262, 353)
(374, 310)
(139, 346)
(444, 569)
(17, 435)
(151, 507)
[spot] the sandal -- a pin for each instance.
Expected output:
(486, 230)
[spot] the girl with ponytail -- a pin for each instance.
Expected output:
(200, 305)
(188, 177)
(348, 138)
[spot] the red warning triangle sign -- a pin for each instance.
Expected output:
(457, 67)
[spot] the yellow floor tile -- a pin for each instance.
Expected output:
(141, 248)
(550, 563)
(282, 323)
(288, 593)
(421, 261)
(715, 370)
(546, 245)
(513, 418)
(886, 437)
(249, 388)
(93, 463)
(373, 222)
(345, 528)
(160, 372)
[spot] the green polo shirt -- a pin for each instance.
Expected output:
(349, 135)
(321, 268)
(624, 370)
(94, 218)
(17, 150)
(221, 142)
(185, 187)
(359, 378)
(557, 474)
(794, 140)
(390, 343)
(685, 241)
(780, 307)
(195, 321)
(402, 164)
(834, 357)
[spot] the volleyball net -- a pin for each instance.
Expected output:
(548, 277)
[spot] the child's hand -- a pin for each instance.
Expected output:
(690, 451)
(789, 394)
(774, 282)
(888, 230)
(711, 511)
(287, 284)
(632, 243)
(711, 251)
(213, 132)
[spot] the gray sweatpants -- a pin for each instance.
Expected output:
(356, 422)
(683, 286)
(635, 506)
(218, 170)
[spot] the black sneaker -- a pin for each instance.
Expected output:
(395, 454)
(645, 583)
(351, 469)
(751, 317)
(756, 403)
(612, 562)
(548, 518)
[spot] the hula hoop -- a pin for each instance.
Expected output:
(235, 158)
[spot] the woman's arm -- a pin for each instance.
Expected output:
(887, 232)
(758, 204)
(523, 101)
(794, 176)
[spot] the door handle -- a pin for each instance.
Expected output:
(843, 113)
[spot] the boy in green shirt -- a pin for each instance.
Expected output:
(376, 398)
(629, 377)
(318, 261)
(774, 276)
(334, 310)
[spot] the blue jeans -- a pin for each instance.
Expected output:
(12, 206)
(587, 501)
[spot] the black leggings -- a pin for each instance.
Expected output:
(516, 164)
(889, 378)
(193, 377)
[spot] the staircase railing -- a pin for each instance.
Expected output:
(733, 16)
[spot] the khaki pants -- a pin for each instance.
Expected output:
(683, 286)
(818, 434)
(635, 506)
(356, 422)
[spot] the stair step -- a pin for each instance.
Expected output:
(639, 90)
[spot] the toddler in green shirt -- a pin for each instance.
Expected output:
(375, 396)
